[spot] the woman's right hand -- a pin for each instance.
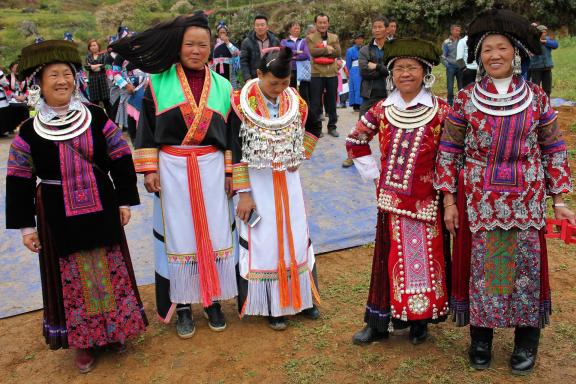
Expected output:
(451, 219)
(152, 182)
(245, 206)
(32, 242)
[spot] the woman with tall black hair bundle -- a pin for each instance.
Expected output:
(276, 264)
(180, 145)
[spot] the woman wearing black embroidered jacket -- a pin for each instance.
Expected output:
(89, 289)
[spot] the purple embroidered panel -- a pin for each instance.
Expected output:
(117, 146)
(20, 159)
(504, 172)
(415, 256)
(81, 194)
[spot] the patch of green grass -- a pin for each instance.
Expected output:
(30, 356)
(307, 370)
(566, 332)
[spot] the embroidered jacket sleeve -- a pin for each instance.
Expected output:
(20, 186)
(450, 157)
(553, 149)
(310, 140)
(122, 166)
(358, 147)
(146, 148)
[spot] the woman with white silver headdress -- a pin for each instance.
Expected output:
(502, 153)
(408, 286)
(74, 218)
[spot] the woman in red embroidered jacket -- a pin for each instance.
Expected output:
(502, 153)
(89, 290)
(408, 286)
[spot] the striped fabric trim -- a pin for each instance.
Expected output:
(549, 118)
(228, 162)
(240, 178)
(309, 144)
(447, 146)
(146, 160)
(457, 119)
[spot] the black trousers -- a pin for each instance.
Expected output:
(319, 85)
(304, 91)
(543, 78)
(468, 76)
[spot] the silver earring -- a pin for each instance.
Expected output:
(517, 63)
(429, 80)
(33, 95)
(389, 84)
(479, 72)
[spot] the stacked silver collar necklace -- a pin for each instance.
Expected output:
(506, 104)
(411, 118)
(50, 126)
(276, 143)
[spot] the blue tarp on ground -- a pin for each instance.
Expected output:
(340, 206)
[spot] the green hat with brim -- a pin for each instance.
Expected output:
(47, 52)
(414, 48)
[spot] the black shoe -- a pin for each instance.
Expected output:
(418, 332)
(216, 320)
(523, 360)
(311, 313)
(277, 323)
(480, 354)
(347, 163)
(185, 324)
(333, 132)
(368, 335)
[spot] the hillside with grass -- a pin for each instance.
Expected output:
(22, 20)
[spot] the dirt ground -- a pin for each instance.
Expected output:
(309, 351)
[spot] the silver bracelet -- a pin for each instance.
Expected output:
(558, 205)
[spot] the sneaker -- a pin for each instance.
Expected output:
(84, 360)
(185, 326)
(311, 313)
(216, 320)
(347, 163)
(277, 323)
(333, 133)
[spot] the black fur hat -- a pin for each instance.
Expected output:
(508, 23)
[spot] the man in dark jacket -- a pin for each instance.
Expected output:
(252, 47)
(372, 69)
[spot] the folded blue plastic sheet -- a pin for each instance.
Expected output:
(341, 213)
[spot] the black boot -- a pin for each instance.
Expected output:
(480, 351)
(418, 332)
(368, 335)
(523, 359)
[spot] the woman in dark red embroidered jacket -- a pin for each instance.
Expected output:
(89, 290)
(502, 152)
(408, 285)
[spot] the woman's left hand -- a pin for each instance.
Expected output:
(228, 187)
(293, 169)
(124, 215)
(563, 213)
